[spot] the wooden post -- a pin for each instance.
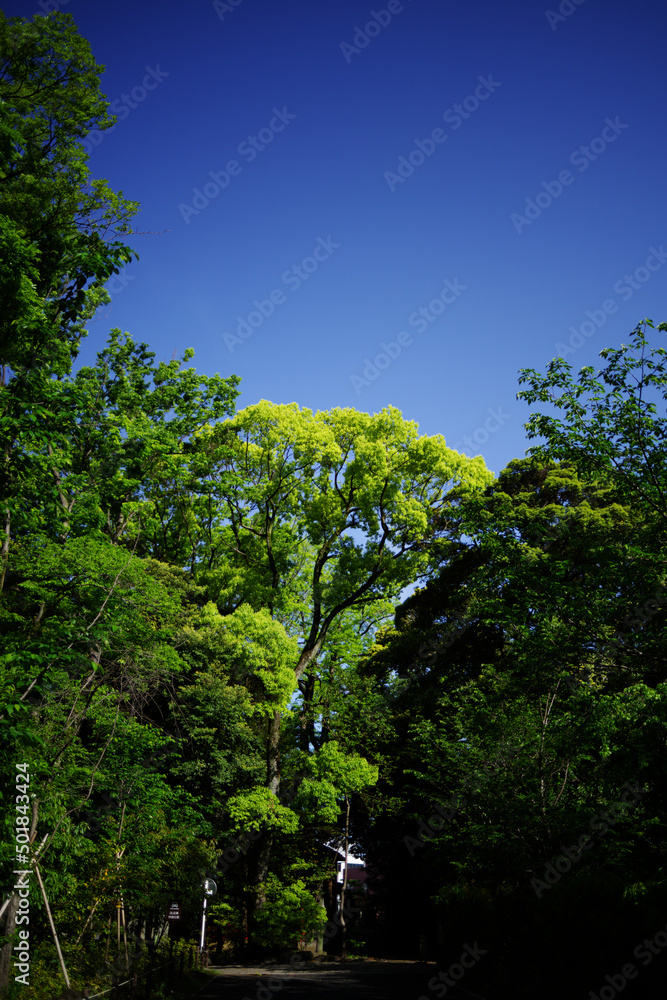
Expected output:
(106, 950)
(53, 928)
(122, 916)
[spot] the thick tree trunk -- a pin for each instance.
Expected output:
(306, 721)
(262, 871)
(265, 844)
(273, 784)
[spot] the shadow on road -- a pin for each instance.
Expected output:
(331, 981)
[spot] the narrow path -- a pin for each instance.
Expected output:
(330, 981)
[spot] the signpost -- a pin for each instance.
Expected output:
(210, 889)
(174, 912)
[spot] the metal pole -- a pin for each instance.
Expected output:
(203, 926)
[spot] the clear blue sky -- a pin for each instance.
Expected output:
(317, 130)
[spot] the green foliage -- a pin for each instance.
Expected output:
(256, 651)
(259, 809)
(349, 773)
(195, 606)
(611, 424)
(302, 483)
(331, 776)
(57, 225)
(290, 914)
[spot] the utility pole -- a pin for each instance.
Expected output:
(210, 889)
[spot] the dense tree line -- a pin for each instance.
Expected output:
(208, 669)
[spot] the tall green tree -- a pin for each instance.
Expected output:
(328, 512)
(323, 513)
(613, 420)
(88, 621)
(92, 629)
(529, 688)
(59, 230)
(318, 516)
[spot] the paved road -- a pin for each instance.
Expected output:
(357, 981)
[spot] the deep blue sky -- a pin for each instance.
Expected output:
(551, 85)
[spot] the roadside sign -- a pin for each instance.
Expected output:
(174, 912)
